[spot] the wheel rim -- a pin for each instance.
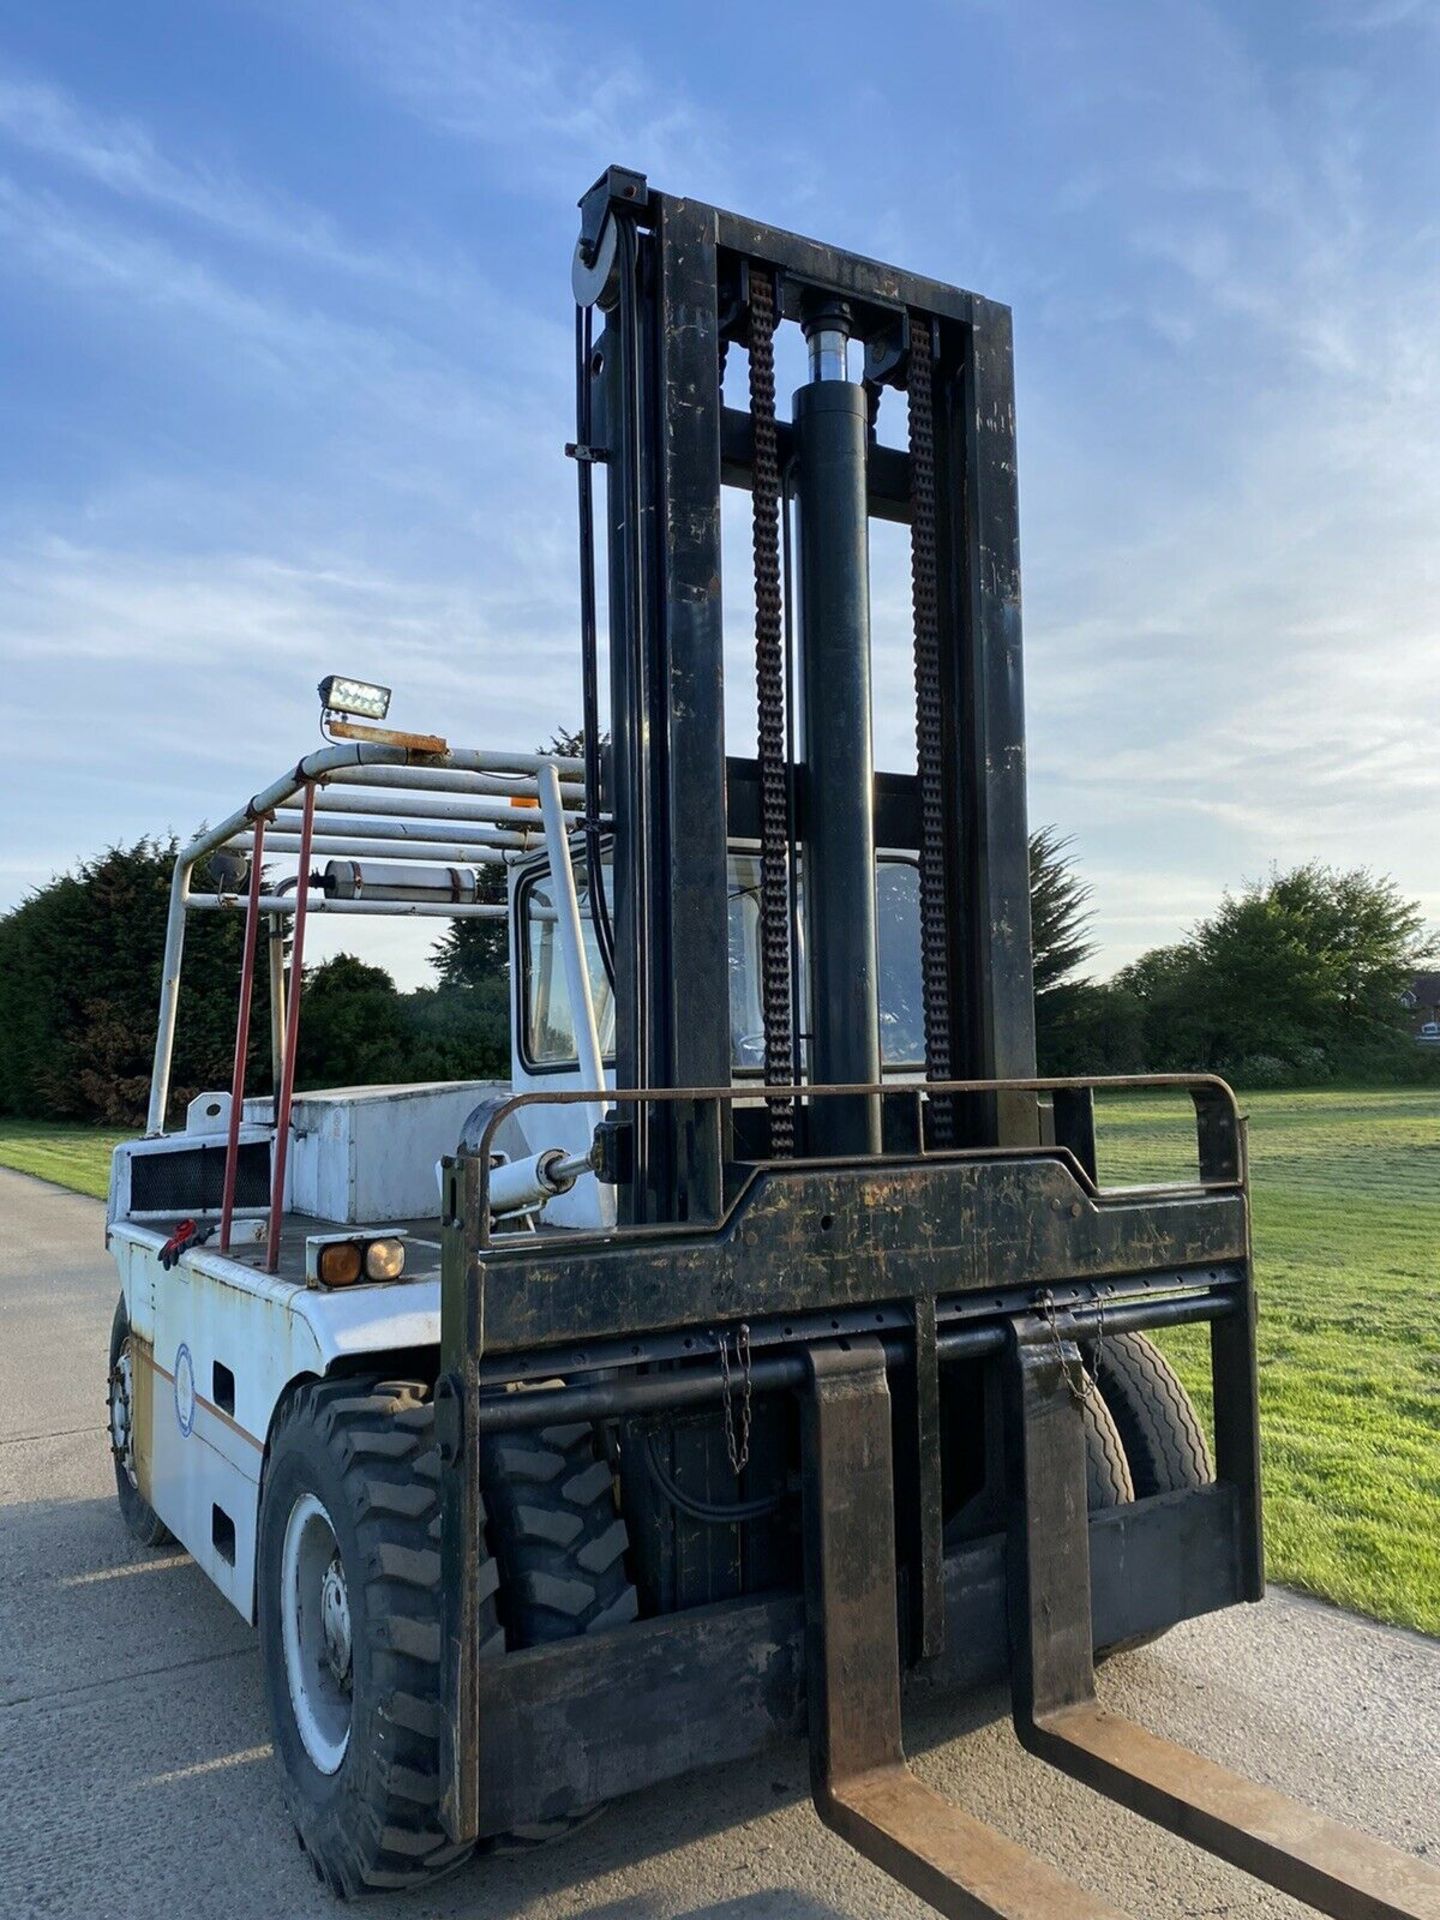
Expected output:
(122, 1425)
(315, 1627)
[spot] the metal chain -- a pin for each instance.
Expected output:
(738, 1450)
(1099, 1336)
(775, 982)
(929, 738)
(1076, 1375)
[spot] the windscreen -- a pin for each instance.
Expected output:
(550, 1026)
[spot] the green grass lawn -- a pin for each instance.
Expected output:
(77, 1157)
(1346, 1218)
(1346, 1193)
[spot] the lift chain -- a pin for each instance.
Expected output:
(737, 1446)
(935, 955)
(775, 982)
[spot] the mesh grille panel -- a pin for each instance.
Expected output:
(192, 1179)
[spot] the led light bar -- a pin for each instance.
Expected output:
(339, 695)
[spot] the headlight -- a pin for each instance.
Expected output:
(385, 1259)
(339, 1264)
(351, 1259)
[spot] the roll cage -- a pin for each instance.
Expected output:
(360, 830)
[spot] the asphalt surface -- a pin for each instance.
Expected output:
(135, 1771)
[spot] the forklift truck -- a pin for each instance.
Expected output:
(770, 1335)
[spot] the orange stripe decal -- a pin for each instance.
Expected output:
(147, 1354)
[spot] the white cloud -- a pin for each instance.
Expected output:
(144, 693)
(547, 101)
(553, 97)
(1230, 430)
(1233, 615)
(284, 340)
(249, 627)
(122, 157)
(1379, 16)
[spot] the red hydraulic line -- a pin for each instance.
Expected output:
(292, 1034)
(242, 1036)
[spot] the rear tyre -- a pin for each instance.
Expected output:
(139, 1516)
(349, 1606)
(562, 1546)
(1107, 1473)
(1162, 1436)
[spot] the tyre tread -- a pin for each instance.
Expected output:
(141, 1519)
(1163, 1439)
(559, 1540)
(1107, 1472)
(561, 1545)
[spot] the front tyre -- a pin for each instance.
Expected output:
(562, 1546)
(139, 1516)
(349, 1615)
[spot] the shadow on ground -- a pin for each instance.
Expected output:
(158, 1732)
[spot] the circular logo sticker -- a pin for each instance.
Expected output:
(184, 1390)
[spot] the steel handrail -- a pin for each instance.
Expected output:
(1203, 1088)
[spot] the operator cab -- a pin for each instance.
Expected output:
(543, 1049)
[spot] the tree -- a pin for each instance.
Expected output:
(353, 1030)
(460, 1033)
(1311, 958)
(1300, 972)
(357, 1028)
(568, 745)
(472, 951)
(1068, 1014)
(80, 967)
(80, 964)
(1059, 911)
(1168, 988)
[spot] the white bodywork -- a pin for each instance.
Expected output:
(216, 1343)
(194, 1456)
(360, 1155)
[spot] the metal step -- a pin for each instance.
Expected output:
(861, 1783)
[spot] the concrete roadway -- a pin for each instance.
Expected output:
(135, 1771)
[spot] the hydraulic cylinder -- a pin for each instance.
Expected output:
(837, 817)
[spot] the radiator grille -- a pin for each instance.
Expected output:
(192, 1179)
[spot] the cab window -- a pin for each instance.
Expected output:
(549, 1035)
(902, 1003)
(902, 1010)
(549, 1021)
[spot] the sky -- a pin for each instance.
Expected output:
(286, 377)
